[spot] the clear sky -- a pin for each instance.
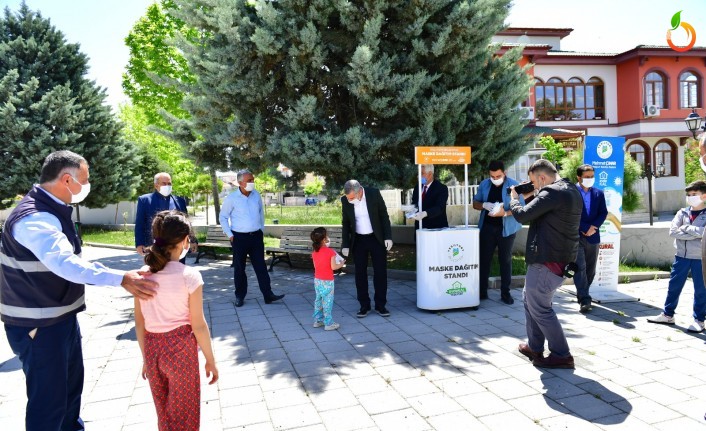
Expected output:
(100, 26)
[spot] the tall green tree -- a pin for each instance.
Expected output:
(348, 88)
(47, 104)
(692, 167)
(153, 58)
(156, 79)
(160, 154)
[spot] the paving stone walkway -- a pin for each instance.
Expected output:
(416, 370)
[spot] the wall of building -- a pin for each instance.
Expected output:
(629, 94)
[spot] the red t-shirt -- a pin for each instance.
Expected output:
(322, 263)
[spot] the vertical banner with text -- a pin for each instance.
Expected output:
(606, 155)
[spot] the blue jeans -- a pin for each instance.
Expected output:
(677, 279)
(540, 319)
(52, 362)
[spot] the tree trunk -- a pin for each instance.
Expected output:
(214, 187)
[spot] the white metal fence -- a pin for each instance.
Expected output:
(455, 195)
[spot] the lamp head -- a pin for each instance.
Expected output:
(693, 122)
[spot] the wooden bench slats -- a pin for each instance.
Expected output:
(297, 240)
(214, 238)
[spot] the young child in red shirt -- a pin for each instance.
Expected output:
(326, 260)
(171, 325)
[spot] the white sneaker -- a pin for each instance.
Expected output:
(318, 324)
(332, 327)
(697, 326)
(662, 318)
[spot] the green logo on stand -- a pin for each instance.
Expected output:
(456, 289)
(455, 252)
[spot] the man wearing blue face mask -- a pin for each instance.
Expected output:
(366, 232)
(42, 290)
(242, 219)
(497, 228)
(434, 197)
(148, 205)
(593, 215)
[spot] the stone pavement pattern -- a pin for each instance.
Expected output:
(416, 370)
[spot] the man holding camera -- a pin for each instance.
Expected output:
(554, 213)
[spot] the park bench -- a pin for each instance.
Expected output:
(297, 240)
(215, 238)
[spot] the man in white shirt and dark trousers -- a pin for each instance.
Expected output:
(366, 231)
(242, 219)
(42, 289)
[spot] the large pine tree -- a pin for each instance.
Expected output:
(47, 104)
(347, 88)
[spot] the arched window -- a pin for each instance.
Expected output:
(655, 89)
(573, 100)
(689, 90)
(640, 152)
(666, 155)
(595, 101)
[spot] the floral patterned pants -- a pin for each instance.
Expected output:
(173, 373)
(323, 305)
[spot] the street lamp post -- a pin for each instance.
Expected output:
(693, 122)
(649, 175)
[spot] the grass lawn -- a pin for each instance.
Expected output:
(100, 236)
(310, 214)
(402, 256)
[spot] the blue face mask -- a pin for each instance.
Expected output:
(424, 181)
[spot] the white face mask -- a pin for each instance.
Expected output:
(693, 201)
(184, 251)
(497, 182)
(249, 187)
(80, 196)
(165, 190)
(327, 242)
(588, 182)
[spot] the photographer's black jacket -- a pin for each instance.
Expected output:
(554, 216)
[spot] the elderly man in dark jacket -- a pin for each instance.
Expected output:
(552, 243)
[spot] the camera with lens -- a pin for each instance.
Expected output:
(521, 189)
(570, 270)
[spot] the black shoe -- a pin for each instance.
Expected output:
(382, 311)
(272, 298)
(553, 361)
(239, 302)
(586, 307)
(507, 298)
(363, 312)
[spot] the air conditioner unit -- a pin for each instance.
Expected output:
(650, 110)
(526, 112)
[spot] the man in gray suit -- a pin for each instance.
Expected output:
(366, 231)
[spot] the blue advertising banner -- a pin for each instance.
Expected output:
(606, 155)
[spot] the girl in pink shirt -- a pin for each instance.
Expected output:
(325, 261)
(170, 326)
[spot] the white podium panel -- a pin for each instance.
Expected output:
(447, 268)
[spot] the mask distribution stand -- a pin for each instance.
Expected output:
(447, 259)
